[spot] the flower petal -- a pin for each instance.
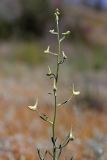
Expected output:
(34, 108)
(76, 93)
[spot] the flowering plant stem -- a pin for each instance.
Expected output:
(60, 59)
(55, 94)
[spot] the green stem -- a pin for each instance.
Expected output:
(53, 130)
(59, 51)
(55, 97)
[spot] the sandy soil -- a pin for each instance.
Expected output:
(22, 131)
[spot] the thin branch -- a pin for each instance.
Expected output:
(39, 154)
(60, 151)
(44, 117)
(50, 153)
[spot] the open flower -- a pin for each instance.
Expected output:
(57, 13)
(34, 108)
(52, 31)
(66, 33)
(64, 56)
(47, 50)
(54, 86)
(71, 137)
(76, 93)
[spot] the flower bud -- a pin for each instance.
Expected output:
(54, 86)
(49, 71)
(57, 11)
(57, 15)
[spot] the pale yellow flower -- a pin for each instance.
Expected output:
(34, 108)
(75, 93)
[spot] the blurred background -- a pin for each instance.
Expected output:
(24, 35)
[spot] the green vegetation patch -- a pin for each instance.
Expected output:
(28, 52)
(99, 58)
